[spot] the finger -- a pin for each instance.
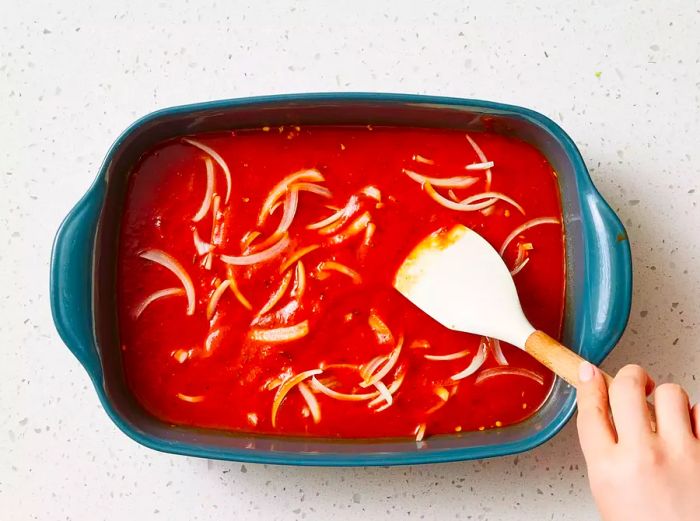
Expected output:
(672, 412)
(595, 430)
(695, 415)
(628, 403)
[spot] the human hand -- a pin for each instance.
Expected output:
(636, 473)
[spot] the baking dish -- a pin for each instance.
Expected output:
(83, 273)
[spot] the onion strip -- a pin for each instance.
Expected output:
(451, 356)
(201, 246)
(420, 432)
(299, 282)
(209, 192)
(298, 255)
(287, 386)
(170, 263)
(277, 295)
(312, 188)
(150, 299)
(491, 197)
(482, 157)
(518, 268)
(327, 221)
(496, 350)
(354, 228)
(447, 182)
(216, 157)
(381, 330)
(190, 398)
(248, 239)
(420, 159)
(344, 216)
(215, 297)
(479, 166)
(326, 266)
(393, 388)
(492, 372)
(280, 188)
(346, 397)
(281, 334)
(388, 366)
(236, 291)
(262, 256)
(526, 226)
(474, 366)
(384, 392)
(311, 401)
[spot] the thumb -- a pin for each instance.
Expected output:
(595, 430)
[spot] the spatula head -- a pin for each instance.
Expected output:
(457, 278)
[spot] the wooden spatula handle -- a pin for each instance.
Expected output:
(563, 362)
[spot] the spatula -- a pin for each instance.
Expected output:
(457, 278)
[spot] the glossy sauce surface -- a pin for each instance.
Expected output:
(214, 372)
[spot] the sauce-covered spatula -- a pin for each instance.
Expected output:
(457, 278)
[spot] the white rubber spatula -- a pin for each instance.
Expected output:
(457, 278)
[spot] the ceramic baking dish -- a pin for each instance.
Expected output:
(83, 272)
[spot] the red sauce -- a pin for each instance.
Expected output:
(187, 369)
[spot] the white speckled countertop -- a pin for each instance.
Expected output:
(623, 79)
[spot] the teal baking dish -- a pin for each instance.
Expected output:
(83, 262)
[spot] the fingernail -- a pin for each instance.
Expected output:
(586, 372)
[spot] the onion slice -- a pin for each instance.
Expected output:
(393, 388)
(420, 159)
(298, 255)
(287, 386)
(518, 267)
(281, 334)
(354, 228)
(201, 246)
(209, 192)
(216, 157)
(277, 295)
(248, 238)
(280, 188)
(526, 226)
(496, 350)
(384, 392)
(327, 221)
(344, 216)
(236, 291)
(388, 366)
(170, 263)
(420, 343)
(492, 372)
(451, 356)
(346, 397)
(215, 297)
(381, 330)
(189, 398)
(491, 199)
(313, 189)
(420, 432)
(150, 299)
(326, 266)
(446, 182)
(479, 166)
(311, 401)
(482, 157)
(474, 366)
(261, 256)
(299, 282)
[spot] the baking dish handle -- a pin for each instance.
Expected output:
(609, 282)
(71, 280)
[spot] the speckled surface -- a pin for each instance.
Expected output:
(623, 80)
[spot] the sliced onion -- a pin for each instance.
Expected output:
(209, 341)
(190, 398)
(369, 233)
(518, 267)
(451, 356)
(287, 386)
(420, 159)
(372, 192)
(479, 166)
(201, 246)
(346, 213)
(474, 366)
(491, 197)
(262, 256)
(442, 393)
(526, 226)
(366, 370)
(496, 350)
(216, 157)
(388, 366)
(236, 291)
(453, 195)
(447, 203)
(277, 295)
(346, 397)
(281, 334)
(150, 299)
(381, 330)
(311, 401)
(216, 203)
(280, 188)
(298, 255)
(331, 219)
(492, 372)
(446, 182)
(393, 388)
(209, 192)
(420, 432)
(299, 282)
(215, 297)
(384, 392)
(326, 266)
(170, 263)
(482, 157)
(313, 188)
(208, 260)
(354, 228)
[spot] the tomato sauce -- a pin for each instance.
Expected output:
(226, 370)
